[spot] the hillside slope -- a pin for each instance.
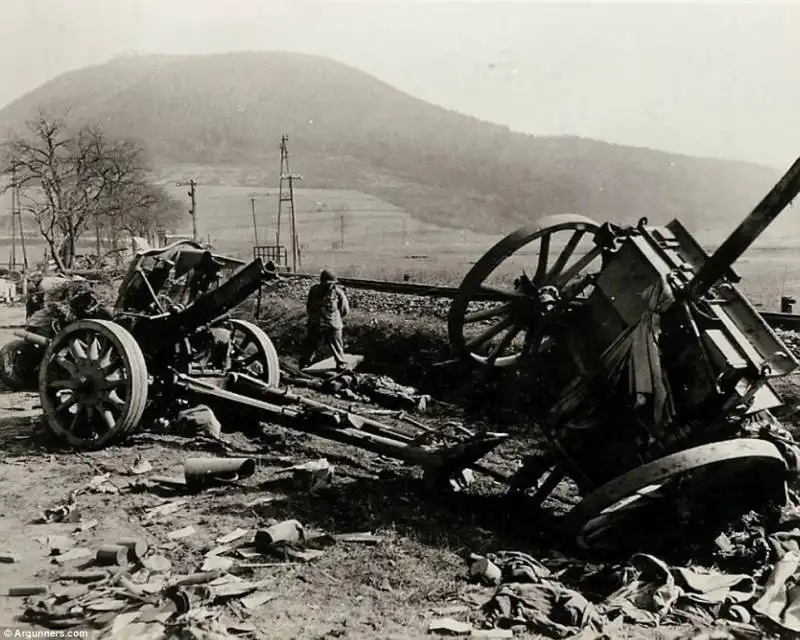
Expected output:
(349, 130)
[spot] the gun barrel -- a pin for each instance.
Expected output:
(207, 308)
(746, 233)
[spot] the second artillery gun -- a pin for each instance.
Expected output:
(646, 369)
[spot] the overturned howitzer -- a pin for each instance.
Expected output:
(647, 370)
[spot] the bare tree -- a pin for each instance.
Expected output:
(72, 180)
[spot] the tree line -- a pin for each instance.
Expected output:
(76, 182)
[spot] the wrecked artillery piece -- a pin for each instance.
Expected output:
(649, 372)
(99, 374)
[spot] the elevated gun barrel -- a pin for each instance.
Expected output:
(205, 309)
(746, 233)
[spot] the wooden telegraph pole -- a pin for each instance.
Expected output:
(193, 209)
(255, 224)
(16, 224)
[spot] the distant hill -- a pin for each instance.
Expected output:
(349, 130)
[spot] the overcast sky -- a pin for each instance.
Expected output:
(718, 79)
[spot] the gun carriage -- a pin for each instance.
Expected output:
(648, 371)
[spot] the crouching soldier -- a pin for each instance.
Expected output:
(326, 307)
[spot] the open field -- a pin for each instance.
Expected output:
(362, 236)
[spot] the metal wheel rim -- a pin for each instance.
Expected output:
(93, 384)
(263, 351)
(473, 284)
(632, 494)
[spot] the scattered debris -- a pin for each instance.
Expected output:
(450, 626)
(66, 511)
(234, 535)
(157, 564)
(73, 555)
(27, 590)
(85, 526)
(136, 547)
(287, 531)
(185, 532)
(197, 420)
(312, 475)
(216, 563)
(140, 466)
(260, 501)
(164, 509)
(203, 471)
(112, 554)
(257, 599)
(8, 558)
(102, 484)
(358, 538)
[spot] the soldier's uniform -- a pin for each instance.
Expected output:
(326, 306)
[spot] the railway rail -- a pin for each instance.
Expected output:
(776, 320)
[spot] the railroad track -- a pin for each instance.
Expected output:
(776, 320)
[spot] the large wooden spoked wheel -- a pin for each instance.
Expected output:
(253, 353)
(496, 314)
(659, 502)
(93, 384)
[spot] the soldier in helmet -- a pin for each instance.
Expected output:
(326, 306)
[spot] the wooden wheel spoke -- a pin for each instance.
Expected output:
(111, 399)
(579, 266)
(486, 314)
(73, 425)
(504, 344)
(111, 368)
(60, 384)
(68, 366)
(490, 333)
(77, 349)
(250, 359)
(116, 383)
(105, 359)
(488, 292)
(244, 343)
(67, 403)
(564, 256)
(107, 418)
(544, 254)
(93, 352)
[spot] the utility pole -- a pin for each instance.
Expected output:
(12, 261)
(16, 223)
(286, 195)
(255, 224)
(341, 229)
(193, 210)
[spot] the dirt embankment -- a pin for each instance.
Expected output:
(404, 337)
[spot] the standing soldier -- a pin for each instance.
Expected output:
(326, 306)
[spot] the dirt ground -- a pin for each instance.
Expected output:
(391, 590)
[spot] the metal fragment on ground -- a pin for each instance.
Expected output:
(449, 625)
(257, 599)
(164, 509)
(157, 564)
(234, 535)
(78, 553)
(184, 532)
(216, 563)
